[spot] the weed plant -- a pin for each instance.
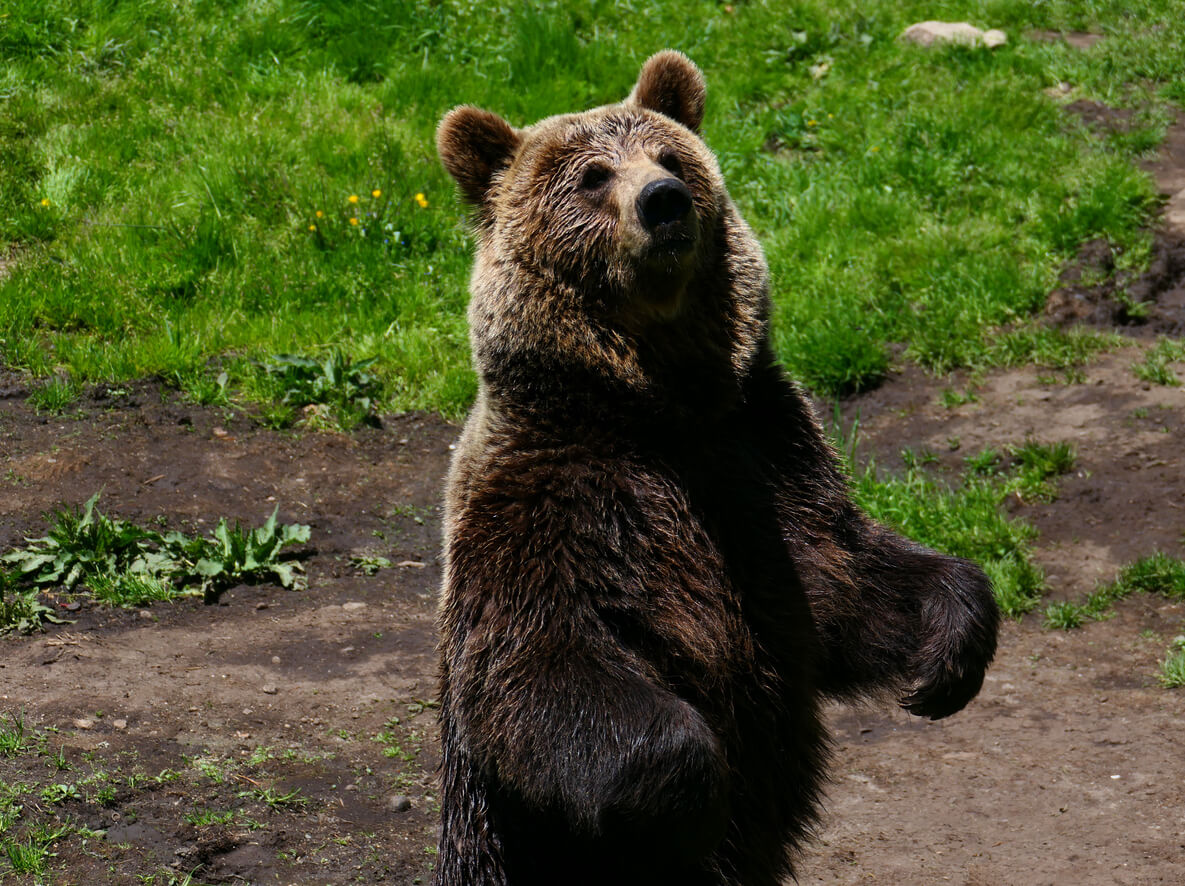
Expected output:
(126, 565)
(188, 182)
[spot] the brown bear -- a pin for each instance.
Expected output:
(654, 572)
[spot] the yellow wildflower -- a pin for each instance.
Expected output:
(353, 221)
(376, 193)
(812, 122)
(353, 198)
(44, 201)
(312, 227)
(422, 200)
(320, 214)
(875, 148)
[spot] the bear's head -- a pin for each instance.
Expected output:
(610, 259)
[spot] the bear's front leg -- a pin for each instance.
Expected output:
(891, 615)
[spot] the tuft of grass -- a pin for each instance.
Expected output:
(276, 800)
(55, 396)
(1064, 616)
(1038, 464)
(1157, 574)
(1172, 669)
(1155, 369)
(31, 855)
(14, 737)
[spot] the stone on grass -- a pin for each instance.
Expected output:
(929, 33)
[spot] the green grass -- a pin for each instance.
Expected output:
(177, 176)
(1172, 669)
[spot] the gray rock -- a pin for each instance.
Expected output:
(932, 32)
(399, 803)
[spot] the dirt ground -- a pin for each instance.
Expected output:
(187, 728)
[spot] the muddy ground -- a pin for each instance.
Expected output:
(290, 737)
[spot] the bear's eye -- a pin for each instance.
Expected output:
(669, 161)
(594, 177)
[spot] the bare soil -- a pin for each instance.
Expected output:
(184, 726)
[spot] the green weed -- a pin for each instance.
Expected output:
(276, 800)
(206, 817)
(951, 398)
(369, 564)
(56, 794)
(31, 855)
(127, 565)
(346, 388)
(1038, 464)
(21, 609)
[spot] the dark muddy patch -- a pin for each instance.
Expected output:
(1092, 290)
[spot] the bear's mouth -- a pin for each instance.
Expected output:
(671, 239)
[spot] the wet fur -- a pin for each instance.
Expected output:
(654, 570)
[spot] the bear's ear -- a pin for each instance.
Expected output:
(473, 145)
(671, 84)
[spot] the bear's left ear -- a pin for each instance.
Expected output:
(671, 84)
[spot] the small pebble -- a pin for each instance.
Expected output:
(144, 613)
(269, 689)
(119, 724)
(83, 723)
(353, 606)
(275, 659)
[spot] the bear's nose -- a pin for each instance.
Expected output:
(663, 201)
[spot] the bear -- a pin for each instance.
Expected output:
(653, 571)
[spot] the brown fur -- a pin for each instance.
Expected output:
(653, 567)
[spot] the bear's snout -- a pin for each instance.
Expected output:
(663, 202)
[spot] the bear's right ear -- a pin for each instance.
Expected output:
(474, 145)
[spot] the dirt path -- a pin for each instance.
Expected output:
(1067, 768)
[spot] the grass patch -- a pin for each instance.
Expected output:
(123, 564)
(238, 180)
(1157, 574)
